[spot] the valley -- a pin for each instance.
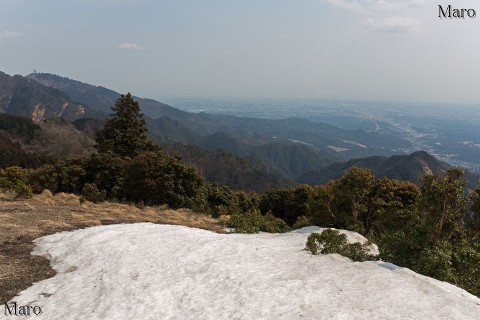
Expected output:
(447, 131)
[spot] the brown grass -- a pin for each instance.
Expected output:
(23, 220)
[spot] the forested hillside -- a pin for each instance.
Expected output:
(227, 169)
(402, 167)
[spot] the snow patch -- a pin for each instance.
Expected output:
(147, 271)
(355, 143)
(300, 142)
(338, 149)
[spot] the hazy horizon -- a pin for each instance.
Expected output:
(380, 50)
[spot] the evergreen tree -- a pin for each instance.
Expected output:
(124, 133)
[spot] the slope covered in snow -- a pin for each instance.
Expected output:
(147, 271)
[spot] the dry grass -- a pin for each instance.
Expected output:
(23, 220)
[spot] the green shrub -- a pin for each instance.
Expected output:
(23, 191)
(302, 221)
(332, 241)
(272, 224)
(91, 193)
(13, 179)
(221, 200)
(106, 171)
(358, 252)
(71, 175)
(253, 221)
(248, 222)
(45, 177)
(329, 241)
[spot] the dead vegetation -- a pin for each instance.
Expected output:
(23, 220)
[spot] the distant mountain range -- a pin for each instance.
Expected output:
(276, 152)
(329, 140)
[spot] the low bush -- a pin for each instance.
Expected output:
(272, 224)
(332, 241)
(253, 222)
(91, 193)
(248, 222)
(302, 221)
(13, 179)
(45, 177)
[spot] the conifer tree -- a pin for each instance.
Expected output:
(124, 133)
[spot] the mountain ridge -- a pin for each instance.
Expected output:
(25, 97)
(409, 167)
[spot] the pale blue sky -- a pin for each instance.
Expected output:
(346, 49)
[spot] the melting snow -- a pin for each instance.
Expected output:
(148, 271)
(355, 143)
(338, 149)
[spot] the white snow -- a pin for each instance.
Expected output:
(338, 149)
(147, 271)
(355, 143)
(300, 142)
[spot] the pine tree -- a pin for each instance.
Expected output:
(124, 133)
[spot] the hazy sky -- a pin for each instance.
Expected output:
(348, 49)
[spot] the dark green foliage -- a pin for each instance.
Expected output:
(247, 200)
(351, 196)
(436, 261)
(473, 218)
(321, 213)
(225, 168)
(404, 244)
(455, 262)
(12, 129)
(253, 222)
(332, 241)
(106, 171)
(466, 261)
(435, 239)
(71, 174)
(273, 224)
(360, 202)
(13, 155)
(91, 193)
(221, 200)
(248, 222)
(329, 241)
(155, 178)
(19, 125)
(287, 204)
(124, 133)
(45, 177)
(443, 204)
